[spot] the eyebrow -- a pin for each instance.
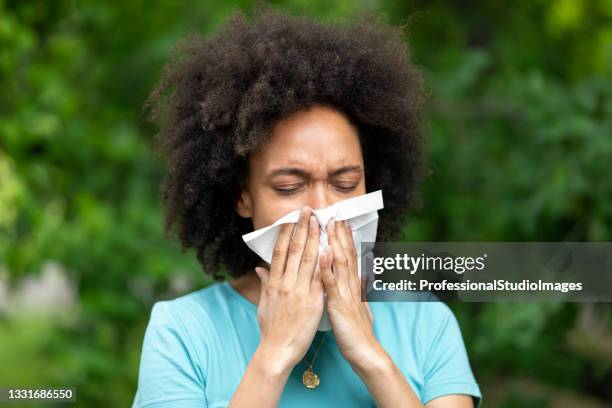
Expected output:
(296, 171)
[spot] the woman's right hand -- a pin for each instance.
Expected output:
(291, 298)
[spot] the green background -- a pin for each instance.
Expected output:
(519, 140)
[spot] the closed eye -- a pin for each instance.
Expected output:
(286, 191)
(347, 188)
(289, 191)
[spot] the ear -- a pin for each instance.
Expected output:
(244, 204)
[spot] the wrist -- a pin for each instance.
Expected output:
(373, 361)
(273, 362)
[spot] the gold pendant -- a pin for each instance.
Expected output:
(310, 379)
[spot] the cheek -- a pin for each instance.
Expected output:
(268, 214)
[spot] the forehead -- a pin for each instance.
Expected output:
(318, 139)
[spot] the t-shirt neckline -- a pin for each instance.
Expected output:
(239, 297)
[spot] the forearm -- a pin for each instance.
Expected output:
(263, 381)
(385, 381)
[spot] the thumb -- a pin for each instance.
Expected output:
(263, 274)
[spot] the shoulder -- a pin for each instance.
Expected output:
(198, 306)
(177, 344)
(424, 314)
(423, 329)
(186, 322)
(430, 332)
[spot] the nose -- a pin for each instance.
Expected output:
(319, 198)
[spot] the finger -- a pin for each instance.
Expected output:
(346, 237)
(349, 235)
(263, 274)
(339, 260)
(316, 284)
(354, 253)
(297, 245)
(327, 276)
(279, 254)
(311, 253)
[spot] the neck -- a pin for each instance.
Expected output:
(249, 285)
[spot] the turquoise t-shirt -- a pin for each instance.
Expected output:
(197, 347)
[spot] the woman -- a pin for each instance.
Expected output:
(271, 115)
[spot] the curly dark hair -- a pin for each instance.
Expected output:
(219, 97)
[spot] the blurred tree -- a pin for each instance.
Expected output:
(518, 126)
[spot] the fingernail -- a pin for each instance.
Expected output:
(313, 221)
(332, 224)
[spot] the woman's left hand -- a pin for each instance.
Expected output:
(351, 318)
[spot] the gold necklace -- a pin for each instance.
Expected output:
(309, 378)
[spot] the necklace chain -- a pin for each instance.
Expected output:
(317, 351)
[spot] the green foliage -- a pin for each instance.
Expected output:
(519, 143)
